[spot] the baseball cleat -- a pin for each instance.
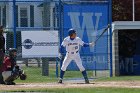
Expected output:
(10, 83)
(87, 81)
(60, 81)
(2, 82)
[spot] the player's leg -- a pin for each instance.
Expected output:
(1, 79)
(84, 73)
(66, 62)
(8, 77)
(1, 62)
(82, 69)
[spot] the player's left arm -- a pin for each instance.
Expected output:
(88, 44)
(82, 43)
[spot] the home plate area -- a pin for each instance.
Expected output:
(70, 83)
(76, 81)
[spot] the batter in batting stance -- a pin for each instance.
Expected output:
(72, 44)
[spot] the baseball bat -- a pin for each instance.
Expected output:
(108, 26)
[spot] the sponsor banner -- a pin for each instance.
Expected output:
(40, 44)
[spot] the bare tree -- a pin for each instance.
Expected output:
(122, 10)
(137, 10)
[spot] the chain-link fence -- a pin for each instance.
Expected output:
(42, 15)
(27, 15)
(89, 19)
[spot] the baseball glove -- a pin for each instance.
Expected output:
(23, 76)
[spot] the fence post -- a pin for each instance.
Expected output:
(57, 72)
(14, 22)
(39, 62)
(110, 32)
(60, 27)
(45, 67)
(46, 22)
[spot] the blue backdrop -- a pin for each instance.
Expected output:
(89, 20)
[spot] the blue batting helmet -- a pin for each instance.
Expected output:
(71, 31)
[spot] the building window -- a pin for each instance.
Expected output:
(56, 16)
(3, 16)
(32, 16)
(23, 17)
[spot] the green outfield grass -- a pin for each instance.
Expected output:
(84, 90)
(35, 76)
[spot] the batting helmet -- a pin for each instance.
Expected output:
(71, 31)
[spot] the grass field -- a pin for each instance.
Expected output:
(35, 76)
(84, 90)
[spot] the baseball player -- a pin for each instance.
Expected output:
(72, 44)
(11, 70)
(2, 51)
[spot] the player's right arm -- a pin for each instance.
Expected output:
(62, 49)
(63, 45)
(7, 63)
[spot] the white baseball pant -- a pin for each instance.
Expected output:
(69, 57)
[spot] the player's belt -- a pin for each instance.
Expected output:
(73, 52)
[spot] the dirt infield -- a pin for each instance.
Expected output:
(115, 84)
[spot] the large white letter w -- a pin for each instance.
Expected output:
(87, 23)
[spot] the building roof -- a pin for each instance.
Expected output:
(125, 25)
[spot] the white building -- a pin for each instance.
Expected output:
(28, 14)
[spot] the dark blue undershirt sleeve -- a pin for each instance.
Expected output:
(62, 49)
(86, 45)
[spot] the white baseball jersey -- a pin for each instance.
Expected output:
(72, 48)
(72, 45)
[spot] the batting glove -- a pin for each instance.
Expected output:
(91, 44)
